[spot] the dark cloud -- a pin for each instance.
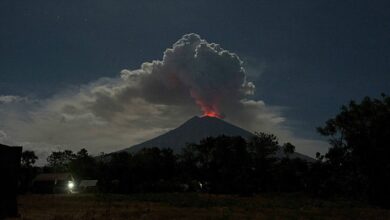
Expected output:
(194, 69)
(194, 76)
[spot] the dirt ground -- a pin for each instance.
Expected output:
(191, 206)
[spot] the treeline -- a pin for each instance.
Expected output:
(217, 165)
(356, 166)
(220, 164)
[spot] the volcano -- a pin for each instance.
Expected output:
(196, 129)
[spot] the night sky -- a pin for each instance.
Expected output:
(306, 58)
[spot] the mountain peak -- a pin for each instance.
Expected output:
(192, 131)
(205, 117)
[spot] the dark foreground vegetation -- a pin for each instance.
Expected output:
(192, 206)
(356, 167)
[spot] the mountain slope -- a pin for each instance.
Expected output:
(194, 130)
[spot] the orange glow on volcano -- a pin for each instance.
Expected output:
(208, 109)
(211, 114)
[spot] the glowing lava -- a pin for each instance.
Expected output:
(211, 114)
(209, 108)
(209, 111)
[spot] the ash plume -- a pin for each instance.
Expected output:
(109, 114)
(193, 68)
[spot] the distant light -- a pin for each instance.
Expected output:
(70, 184)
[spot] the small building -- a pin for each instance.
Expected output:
(88, 185)
(9, 169)
(53, 183)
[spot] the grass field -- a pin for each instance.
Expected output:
(191, 206)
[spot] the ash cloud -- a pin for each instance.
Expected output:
(6, 99)
(3, 137)
(194, 68)
(193, 77)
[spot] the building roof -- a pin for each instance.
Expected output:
(2, 145)
(53, 177)
(9, 159)
(7, 147)
(88, 183)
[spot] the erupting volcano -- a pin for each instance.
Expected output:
(208, 108)
(194, 130)
(211, 114)
(210, 111)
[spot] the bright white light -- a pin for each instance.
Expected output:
(70, 185)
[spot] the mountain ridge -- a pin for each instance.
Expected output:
(194, 130)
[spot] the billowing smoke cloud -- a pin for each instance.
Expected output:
(3, 137)
(194, 77)
(5, 99)
(194, 68)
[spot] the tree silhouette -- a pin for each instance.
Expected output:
(288, 149)
(220, 163)
(28, 159)
(27, 171)
(83, 166)
(262, 148)
(360, 137)
(58, 161)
